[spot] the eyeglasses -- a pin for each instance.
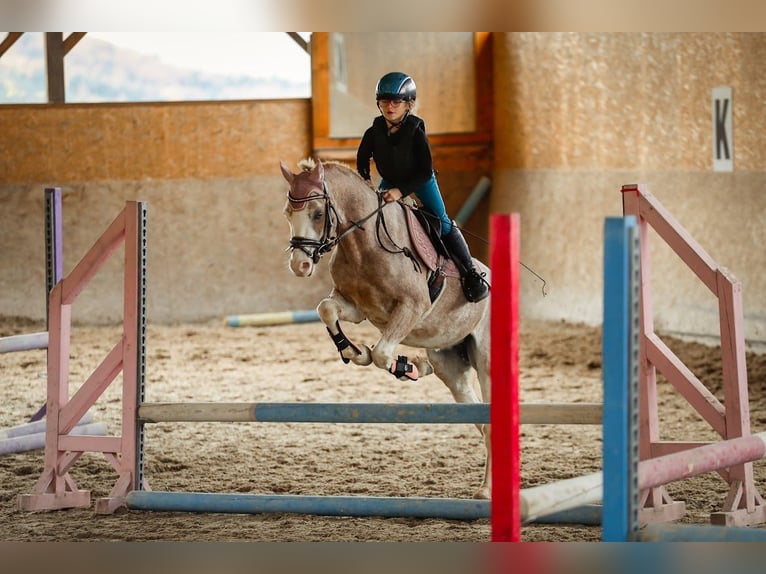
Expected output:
(394, 103)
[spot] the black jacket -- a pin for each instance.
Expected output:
(403, 158)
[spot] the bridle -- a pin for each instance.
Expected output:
(316, 248)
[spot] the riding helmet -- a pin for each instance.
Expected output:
(396, 86)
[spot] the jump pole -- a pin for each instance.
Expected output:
(35, 427)
(275, 318)
(535, 504)
(36, 440)
(26, 342)
(410, 413)
(478, 193)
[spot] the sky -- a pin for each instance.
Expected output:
(261, 54)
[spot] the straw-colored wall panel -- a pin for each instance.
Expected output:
(128, 142)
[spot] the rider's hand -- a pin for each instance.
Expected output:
(393, 194)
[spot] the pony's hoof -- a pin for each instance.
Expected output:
(404, 370)
(482, 493)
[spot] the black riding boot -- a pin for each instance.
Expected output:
(475, 287)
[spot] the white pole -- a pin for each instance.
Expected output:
(24, 342)
(37, 440)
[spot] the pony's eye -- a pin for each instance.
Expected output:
(317, 215)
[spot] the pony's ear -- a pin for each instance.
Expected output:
(289, 176)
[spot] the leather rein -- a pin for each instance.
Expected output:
(316, 248)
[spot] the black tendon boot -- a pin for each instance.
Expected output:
(475, 287)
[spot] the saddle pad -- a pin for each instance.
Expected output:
(425, 249)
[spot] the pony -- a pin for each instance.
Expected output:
(378, 275)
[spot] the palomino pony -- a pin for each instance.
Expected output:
(379, 276)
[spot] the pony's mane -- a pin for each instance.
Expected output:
(309, 163)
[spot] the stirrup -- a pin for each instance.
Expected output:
(402, 369)
(475, 287)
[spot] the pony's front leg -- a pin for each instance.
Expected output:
(333, 309)
(401, 323)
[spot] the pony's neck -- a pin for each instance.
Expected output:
(352, 197)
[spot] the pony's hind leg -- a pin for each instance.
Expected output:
(333, 309)
(454, 367)
(477, 346)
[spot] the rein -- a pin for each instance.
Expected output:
(316, 248)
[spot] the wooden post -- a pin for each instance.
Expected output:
(54, 59)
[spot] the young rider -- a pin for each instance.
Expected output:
(398, 143)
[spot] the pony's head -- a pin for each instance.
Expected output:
(308, 214)
(306, 185)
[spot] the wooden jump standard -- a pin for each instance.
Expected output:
(625, 474)
(743, 505)
(55, 488)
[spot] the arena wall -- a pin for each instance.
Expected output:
(579, 115)
(576, 116)
(209, 172)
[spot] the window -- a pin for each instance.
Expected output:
(161, 66)
(452, 71)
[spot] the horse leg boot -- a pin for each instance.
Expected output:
(475, 287)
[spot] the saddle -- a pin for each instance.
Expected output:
(426, 239)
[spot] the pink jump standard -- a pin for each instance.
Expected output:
(55, 488)
(743, 505)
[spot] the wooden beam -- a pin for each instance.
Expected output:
(484, 82)
(71, 41)
(54, 58)
(8, 41)
(300, 41)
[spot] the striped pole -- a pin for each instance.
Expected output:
(276, 318)
(449, 413)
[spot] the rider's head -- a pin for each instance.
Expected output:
(395, 94)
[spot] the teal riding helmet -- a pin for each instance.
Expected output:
(396, 86)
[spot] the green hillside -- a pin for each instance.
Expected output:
(96, 71)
